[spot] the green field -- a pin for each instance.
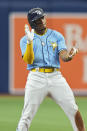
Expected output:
(49, 117)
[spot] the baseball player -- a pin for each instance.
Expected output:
(41, 49)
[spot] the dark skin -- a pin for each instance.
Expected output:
(64, 55)
(41, 25)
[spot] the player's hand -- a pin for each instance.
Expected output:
(73, 52)
(28, 33)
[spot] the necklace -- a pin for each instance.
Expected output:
(42, 43)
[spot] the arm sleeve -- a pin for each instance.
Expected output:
(23, 45)
(27, 51)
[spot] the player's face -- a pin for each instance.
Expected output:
(41, 23)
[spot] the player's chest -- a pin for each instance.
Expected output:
(45, 44)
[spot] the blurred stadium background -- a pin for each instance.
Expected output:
(70, 18)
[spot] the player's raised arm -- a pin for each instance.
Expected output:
(67, 56)
(29, 54)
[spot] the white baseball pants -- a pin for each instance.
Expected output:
(38, 86)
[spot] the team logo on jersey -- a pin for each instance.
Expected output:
(54, 45)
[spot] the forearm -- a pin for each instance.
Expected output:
(67, 56)
(29, 54)
(64, 55)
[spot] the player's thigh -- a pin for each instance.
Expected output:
(63, 95)
(33, 96)
(35, 89)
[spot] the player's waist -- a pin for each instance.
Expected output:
(45, 70)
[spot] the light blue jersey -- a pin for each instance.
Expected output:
(46, 49)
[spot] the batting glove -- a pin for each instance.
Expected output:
(29, 35)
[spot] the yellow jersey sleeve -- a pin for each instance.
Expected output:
(29, 54)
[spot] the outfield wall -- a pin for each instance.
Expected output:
(69, 18)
